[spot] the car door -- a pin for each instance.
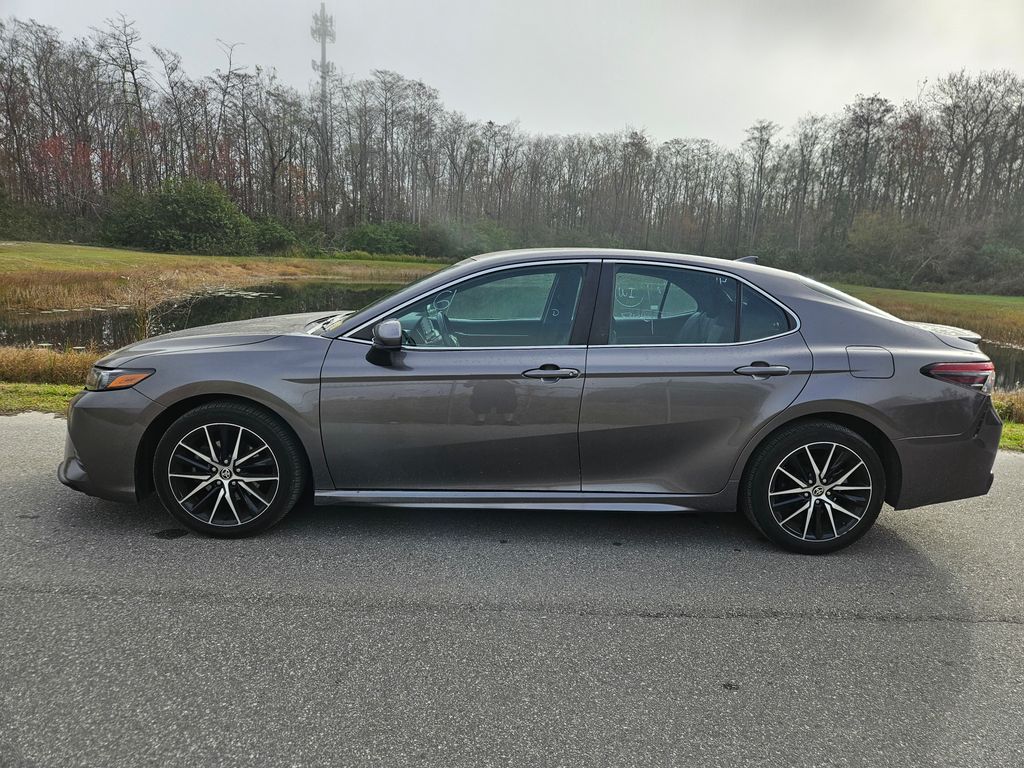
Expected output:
(483, 395)
(685, 364)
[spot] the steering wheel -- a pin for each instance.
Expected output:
(444, 328)
(439, 320)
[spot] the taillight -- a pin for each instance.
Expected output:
(977, 376)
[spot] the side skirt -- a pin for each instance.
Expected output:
(538, 500)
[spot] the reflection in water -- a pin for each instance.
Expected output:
(1009, 362)
(111, 328)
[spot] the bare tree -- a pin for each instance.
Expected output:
(80, 118)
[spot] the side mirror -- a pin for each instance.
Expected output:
(388, 335)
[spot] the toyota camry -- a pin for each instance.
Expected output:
(551, 379)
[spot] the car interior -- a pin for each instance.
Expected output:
(536, 307)
(532, 307)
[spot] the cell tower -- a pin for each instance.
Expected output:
(322, 30)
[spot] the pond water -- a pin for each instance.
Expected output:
(1009, 362)
(113, 327)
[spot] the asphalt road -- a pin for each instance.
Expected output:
(379, 638)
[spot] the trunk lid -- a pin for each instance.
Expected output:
(951, 336)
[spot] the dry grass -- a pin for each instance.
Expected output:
(45, 366)
(36, 276)
(1010, 405)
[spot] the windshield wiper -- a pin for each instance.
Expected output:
(317, 326)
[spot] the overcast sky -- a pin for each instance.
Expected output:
(678, 68)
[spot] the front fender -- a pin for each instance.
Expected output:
(281, 374)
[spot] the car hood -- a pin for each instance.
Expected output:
(231, 334)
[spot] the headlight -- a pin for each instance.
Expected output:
(115, 378)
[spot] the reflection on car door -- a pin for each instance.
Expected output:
(478, 417)
(663, 415)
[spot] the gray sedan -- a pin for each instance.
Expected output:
(546, 379)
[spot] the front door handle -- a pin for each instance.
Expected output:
(550, 371)
(761, 370)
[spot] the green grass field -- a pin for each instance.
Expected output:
(1013, 437)
(62, 257)
(46, 398)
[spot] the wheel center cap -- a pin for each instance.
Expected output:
(225, 473)
(817, 490)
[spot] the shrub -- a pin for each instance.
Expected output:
(28, 221)
(197, 217)
(885, 245)
(183, 217)
(390, 237)
(270, 236)
(436, 241)
(6, 214)
(128, 219)
(481, 236)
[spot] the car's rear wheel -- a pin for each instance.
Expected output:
(814, 487)
(228, 469)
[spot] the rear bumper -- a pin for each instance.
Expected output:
(938, 469)
(105, 430)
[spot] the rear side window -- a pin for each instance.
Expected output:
(654, 305)
(671, 305)
(759, 317)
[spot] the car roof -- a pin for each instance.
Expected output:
(745, 268)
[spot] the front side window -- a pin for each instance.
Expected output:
(528, 306)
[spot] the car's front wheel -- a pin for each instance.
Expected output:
(814, 487)
(228, 469)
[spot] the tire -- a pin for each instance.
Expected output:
(814, 487)
(257, 476)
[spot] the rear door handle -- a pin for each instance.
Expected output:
(762, 370)
(554, 372)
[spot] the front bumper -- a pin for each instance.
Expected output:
(938, 469)
(105, 430)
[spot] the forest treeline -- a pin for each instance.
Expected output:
(102, 136)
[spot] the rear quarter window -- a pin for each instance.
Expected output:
(761, 318)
